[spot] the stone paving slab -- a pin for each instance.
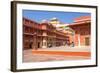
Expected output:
(29, 56)
(44, 58)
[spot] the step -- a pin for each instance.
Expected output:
(65, 53)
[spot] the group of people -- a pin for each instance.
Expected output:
(71, 44)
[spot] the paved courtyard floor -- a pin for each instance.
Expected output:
(29, 56)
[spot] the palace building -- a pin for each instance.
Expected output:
(63, 27)
(42, 35)
(79, 31)
(82, 31)
(54, 33)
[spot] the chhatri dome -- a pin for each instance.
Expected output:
(54, 18)
(54, 21)
(44, 21)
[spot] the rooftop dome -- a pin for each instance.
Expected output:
(44, 21)
(54, 18)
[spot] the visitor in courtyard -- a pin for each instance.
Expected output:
(72, 44)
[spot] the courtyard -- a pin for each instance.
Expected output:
(56, 54)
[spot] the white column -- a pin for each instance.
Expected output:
(79, 40)
(44, 43)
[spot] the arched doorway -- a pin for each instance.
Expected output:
(87, 41)
(30, 45)
(38, 44)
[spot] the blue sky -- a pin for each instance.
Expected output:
(64, 17)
